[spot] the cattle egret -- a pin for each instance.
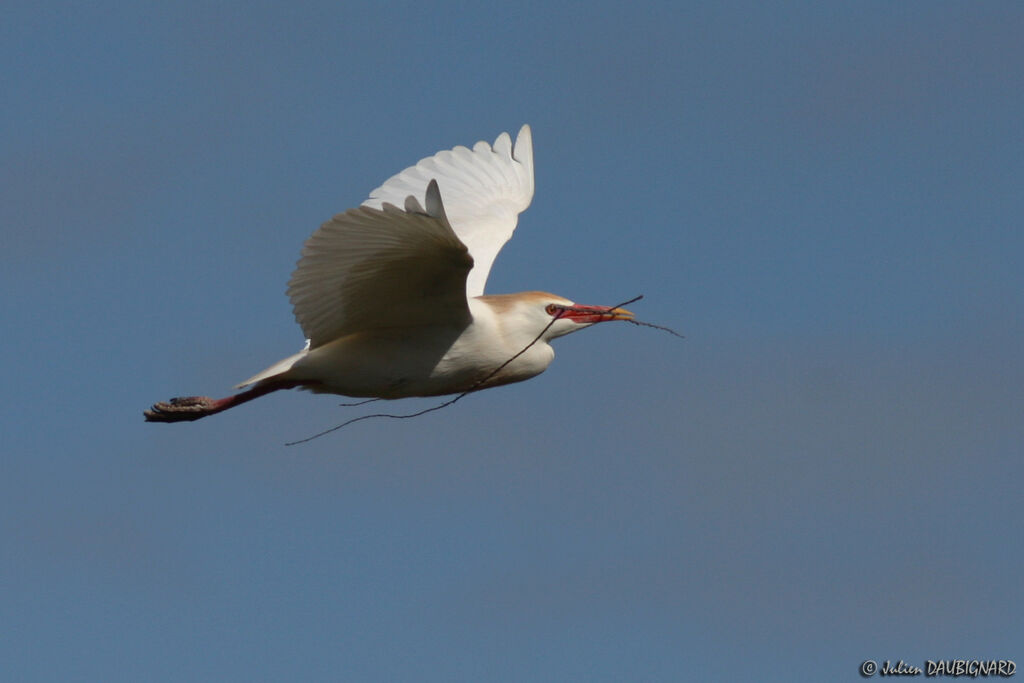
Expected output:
(390, 295)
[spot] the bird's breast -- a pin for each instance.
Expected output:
(478, 360)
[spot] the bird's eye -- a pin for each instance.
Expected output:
(552, 309)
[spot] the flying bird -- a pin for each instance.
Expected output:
(390, 295)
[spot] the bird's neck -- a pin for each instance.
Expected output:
(505, 322)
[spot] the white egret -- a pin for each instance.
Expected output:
(390, 295)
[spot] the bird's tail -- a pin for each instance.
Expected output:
(278, 368)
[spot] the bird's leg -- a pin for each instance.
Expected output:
(189, 408)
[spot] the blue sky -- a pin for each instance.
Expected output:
(825, 198)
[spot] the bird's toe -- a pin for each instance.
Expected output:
(180, 409)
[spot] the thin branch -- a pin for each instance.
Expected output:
(477, 385)
(447, 403)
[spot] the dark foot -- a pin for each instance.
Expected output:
(183, 409)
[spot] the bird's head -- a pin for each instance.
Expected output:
(568, 316)
(531, 312)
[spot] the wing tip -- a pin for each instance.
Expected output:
(523, 150)
(523, 153)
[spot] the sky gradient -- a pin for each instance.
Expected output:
(825, 199)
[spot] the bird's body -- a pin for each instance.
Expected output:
(391, 299)
(424, 361)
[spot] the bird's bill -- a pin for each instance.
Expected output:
(587, 315)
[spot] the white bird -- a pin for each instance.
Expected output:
(390, 295)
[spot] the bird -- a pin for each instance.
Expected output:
(390, 294)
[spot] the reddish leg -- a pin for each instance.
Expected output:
(189, 408)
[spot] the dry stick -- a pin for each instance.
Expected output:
(433, 408)
(359, 403)
(641, 323)
(473, 388)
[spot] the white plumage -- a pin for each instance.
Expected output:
(391, 296)
(484, 189)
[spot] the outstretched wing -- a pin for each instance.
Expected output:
(373, 268)
(484, 189)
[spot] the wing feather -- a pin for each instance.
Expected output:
(484, 189)
(373, 268)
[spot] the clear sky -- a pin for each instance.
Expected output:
(825, 198)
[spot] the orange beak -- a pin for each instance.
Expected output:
(588, 315)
